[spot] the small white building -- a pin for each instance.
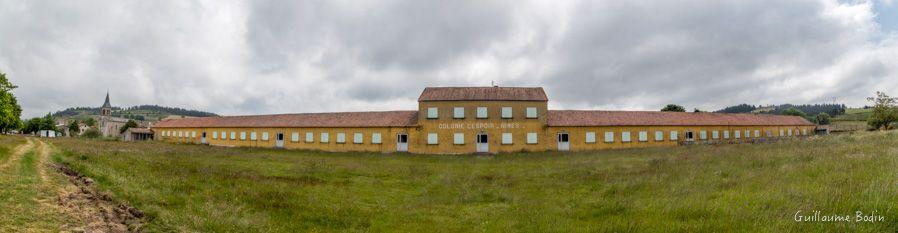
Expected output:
(47, 134)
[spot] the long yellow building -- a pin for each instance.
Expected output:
(459, 120)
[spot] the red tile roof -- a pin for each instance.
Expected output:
(483, 94)
(310, 120)
(651, 118)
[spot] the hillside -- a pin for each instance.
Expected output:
(809, 109)
(141, 112)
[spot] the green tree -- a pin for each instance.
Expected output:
(696, 110)
(48, 123)
(673, 108)
(10, 111)
(32, 126)
(91, 133)
(823, 118)
(74, 128)
(884, 111)
(794, 112)
(128, 125)
(90, 122)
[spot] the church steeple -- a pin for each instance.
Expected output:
(106, 109)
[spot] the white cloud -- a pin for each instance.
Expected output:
(309, 56)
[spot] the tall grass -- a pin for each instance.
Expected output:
(756, 188)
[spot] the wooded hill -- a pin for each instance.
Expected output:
(808, 109)
(142, 112)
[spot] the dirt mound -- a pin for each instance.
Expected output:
(94, 210)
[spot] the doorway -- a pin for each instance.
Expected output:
(402, 142)
(279, 143)
(483, 143)
(564, 142)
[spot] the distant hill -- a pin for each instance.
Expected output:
(142, 112)
(809, 109)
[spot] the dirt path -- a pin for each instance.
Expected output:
(17, 154)
(90, 209)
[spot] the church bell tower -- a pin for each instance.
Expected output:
(106, 110)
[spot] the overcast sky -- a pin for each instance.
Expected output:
(257, 57)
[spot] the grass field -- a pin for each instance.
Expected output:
(749, 188)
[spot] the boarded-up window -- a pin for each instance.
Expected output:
(375, 138)
(358, 138)
(482, 113)
(341, 137)
(531, 113)
(506, 113)
(433, 139)
(506, 138)
(458, 139)
(325, 138)
(433, 113)
(531, 138)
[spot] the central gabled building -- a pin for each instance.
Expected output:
(458, 120)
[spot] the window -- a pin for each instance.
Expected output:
(659, 136)
(625, 136)
(726, 134)
(358, 138)
(690, 136)
(747, 133)
(310, 137)
(253, 136)
(458, 139)
(506, 113)
(482, 113)
(643, 136)
(531, 138)
(458, 113)
(674, 135)
(804, 131)
(433, 113)
(180, 134)
(737, 134)
(769, 134)
(233, 135)
(325, 138)
(703, 135)
(506, 139)
(715, 134)
(265, 136)
(758, 133)
(790, 132)
(531, 113)
(609, 136)
(224, 135)
(432, 139)
(214, 135)
(375, 138)
(193, 134)
(242, 135)
(590, 137)
(294, 137)
(782, 133)
(341, 137)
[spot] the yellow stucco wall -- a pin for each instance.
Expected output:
(446, 126)
(546, 137)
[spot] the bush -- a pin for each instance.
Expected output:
(91, 133)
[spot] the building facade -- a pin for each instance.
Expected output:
(461, 120)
